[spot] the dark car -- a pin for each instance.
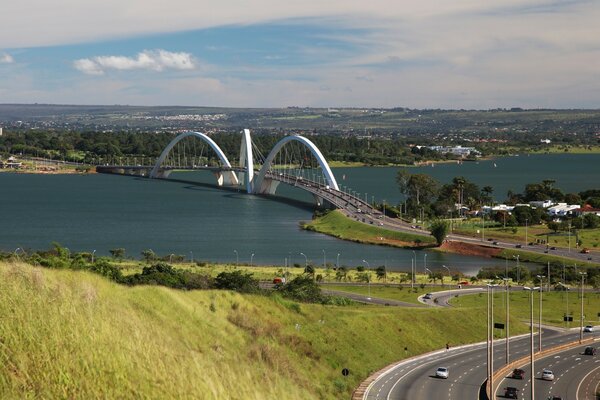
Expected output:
(511, 393)
(495, 242)
(517, 374)
(519, 246)
(590, 351)
(553, 248)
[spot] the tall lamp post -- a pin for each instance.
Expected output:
(192, 256)
(541, 278)
(531, 355)
(583, 274)
(251, 258)
(507, 319)
(305, 260)
(518, 270)
(323, 259)
(237, 258)
(490, 335)
(414, 267)
(425, 262)
(369, 278)
(337, 261)
(449, 275)
(93, 252)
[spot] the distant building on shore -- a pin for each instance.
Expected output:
(456, 150)
(0, 131)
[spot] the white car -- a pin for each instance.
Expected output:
(588, 328)
(442, 372)
(547, 375)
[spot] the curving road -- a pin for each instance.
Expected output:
(414, 379)
(576, 376)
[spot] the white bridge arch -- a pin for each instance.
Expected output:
(262, 185)
(223, 177)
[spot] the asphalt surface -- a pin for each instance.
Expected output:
(576, 376)
(368, 299)
(415, 379)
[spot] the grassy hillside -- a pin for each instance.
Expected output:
(67, 334)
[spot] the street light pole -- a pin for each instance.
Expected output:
(526, 239)
(448, 269)
(541, 277)
(583, 274)
(93, 252)
(323, 259)
(251, 258)
(507, 320)
(425, 261)
(413, 270)
(368, 278)
(531, 356)
(237, 258)
(305, 260)
(337, 261)
(518, 270)
(192, 256)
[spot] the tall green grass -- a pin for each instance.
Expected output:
(69, 334)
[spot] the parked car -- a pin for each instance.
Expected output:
(547, 375)
(442, 372)
(511, 393)
(588, 328)
(590, 351)
(518, 373)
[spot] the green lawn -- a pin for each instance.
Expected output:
(338, 225)
(399, 293)
(554, 305)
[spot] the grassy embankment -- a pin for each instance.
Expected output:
(69, 334)
(336, 224)
(554, 305)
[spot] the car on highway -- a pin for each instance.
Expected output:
(589, 351)
(519, 246)
(518, 373)
(441, 372)
(547, 375)
(588, 328)
(428, 296)
(511, 393)
(553, 248)
(585, 251)
(554, 398)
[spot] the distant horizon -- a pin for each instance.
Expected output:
(352, 54)
(510, 109)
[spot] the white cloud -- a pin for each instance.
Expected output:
(6, 58)
(155, 60)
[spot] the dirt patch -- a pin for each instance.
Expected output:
(470, 249)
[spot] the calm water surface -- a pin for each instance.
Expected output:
(101, 212)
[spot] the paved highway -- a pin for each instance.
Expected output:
(576, 376)
(415, 379)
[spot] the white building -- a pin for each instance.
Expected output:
(542, 203)
(562, 209)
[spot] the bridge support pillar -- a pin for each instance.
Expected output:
(268, 186)
(226, 178)
(163, 174)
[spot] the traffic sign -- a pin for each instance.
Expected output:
(345, 372)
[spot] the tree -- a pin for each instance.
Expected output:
(148, 255)
(381, 272)
(118, 253)
(591, 221)
(420, 189)
(237, 281)
(439, 230)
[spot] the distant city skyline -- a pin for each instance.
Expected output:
(428, 54)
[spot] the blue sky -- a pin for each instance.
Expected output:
(461, 54)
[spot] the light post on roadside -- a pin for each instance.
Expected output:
(541, 278)
(251, 258)
(526, 239)
(192, 257)
(531, 356)
(323, 259)
(425, 261)
(305, 260)
(449, 275)
(237, 258)
(507, 319)
(368, 278)
(413, 268)
(490, 335)
(93, 252)
(171, 258)
(337, 261)
(583, 274)
(518, 270)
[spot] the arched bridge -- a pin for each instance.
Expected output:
(302, 166)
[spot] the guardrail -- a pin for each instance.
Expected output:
(502, 372)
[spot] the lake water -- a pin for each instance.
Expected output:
(101, 212)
